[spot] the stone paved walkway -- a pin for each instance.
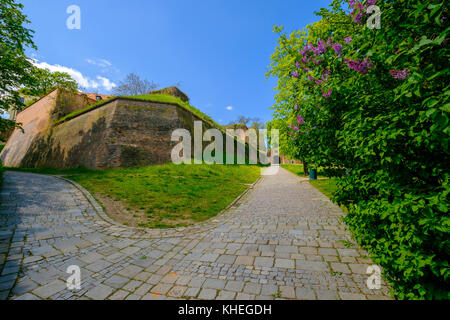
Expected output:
(284, 239)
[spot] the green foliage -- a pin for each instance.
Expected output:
(391, 134)
(15, 69)
(45, 81)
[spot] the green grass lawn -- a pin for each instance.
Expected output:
(164, 196)
(326, 186)
(294, 168)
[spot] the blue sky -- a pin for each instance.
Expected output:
(218, 49)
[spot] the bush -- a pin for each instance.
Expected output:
(376, 102)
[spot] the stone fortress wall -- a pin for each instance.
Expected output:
(121, 132)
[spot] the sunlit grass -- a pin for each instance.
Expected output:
(167, 195)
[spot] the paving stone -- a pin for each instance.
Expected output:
(226, 295)
(177, 291)
(287, 292)
(351, 296)
(263, 262)
(119, 295)
(284, 263)
(228, 259)
(304, 293)
(98, 265)
(207, 294)
(358, 268)
(244, 296)
(116, 281)
(161, 288)
(214, 284)
(348, 252)
(191, 292)
(130, 271)
(100, 292)
(27, 296)
(24, 286)
(252, 288)
(312, 265)
(234, 285)
(132, 285)
(91, 257)
(50, 289)
(327, 295)
(340, 267)
(143, 289)
(244, 260)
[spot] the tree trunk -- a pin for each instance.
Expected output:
(305, 168)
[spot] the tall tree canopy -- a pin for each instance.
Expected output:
(45, 81)
(15, 68)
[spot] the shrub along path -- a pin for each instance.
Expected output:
(283, 239)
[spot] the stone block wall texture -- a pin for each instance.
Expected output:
(121, 133)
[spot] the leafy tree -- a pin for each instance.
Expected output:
(15, 68)
(45, 81)
(133, 85)
(257, 124)
(376, 103)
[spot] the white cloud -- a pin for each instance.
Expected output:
(83, 81)
(229, 108)
(99, 62)
(106, 83)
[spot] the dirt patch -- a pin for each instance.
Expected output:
(119, 212)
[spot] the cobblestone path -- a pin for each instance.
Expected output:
(283, 239)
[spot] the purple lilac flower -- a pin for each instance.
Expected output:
(371, 3)
(295, 74)
(327, 94)
(400, 74)
(329, 41)
(300, 120)
(348, 40)
(319, 82)
(297, 64)
(305, 59)
(310, 78)
(317, 62)
(337, 48)
(321, 47)
(296, 128)
(359, 66)
(296, 107)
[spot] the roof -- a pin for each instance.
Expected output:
(94, 96)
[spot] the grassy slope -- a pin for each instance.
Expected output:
(150, 97)
(167, 195)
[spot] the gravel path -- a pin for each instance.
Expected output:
(283, 239)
